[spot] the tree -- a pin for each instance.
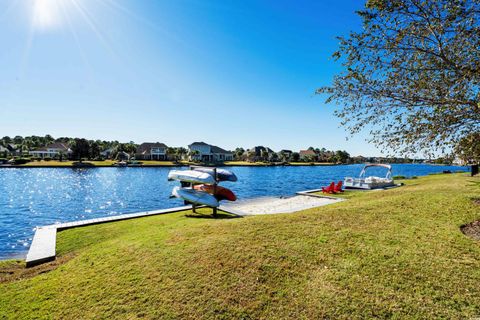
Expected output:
(80, 149)
(295, 156)
(468, 149)
(412, 75)
(94, 150)
(238, 153)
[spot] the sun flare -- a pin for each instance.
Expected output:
(47, 14)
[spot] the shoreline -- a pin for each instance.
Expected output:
(169, 165)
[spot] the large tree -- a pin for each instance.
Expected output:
(412, 74)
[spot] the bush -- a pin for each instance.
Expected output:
(399, 177)
(47, 159)
(3, 160)
(21, 160)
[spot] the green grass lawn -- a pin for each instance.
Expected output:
(246, 163)
(390, 254)
(105, 163)
(311, 164)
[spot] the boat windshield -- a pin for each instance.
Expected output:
(377, 165)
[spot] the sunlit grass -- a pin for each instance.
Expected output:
(391, 254)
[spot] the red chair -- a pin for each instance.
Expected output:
(329, 189)
(338, 187)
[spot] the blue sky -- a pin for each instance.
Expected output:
(230, 73)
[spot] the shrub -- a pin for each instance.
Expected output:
(21, 160)
(3, 160)
(47, 159)
(399, 177)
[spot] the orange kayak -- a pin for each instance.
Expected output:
(221, 193)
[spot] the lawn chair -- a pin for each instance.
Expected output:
(329, 189)
(338, 187)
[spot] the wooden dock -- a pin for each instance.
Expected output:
(44, 241)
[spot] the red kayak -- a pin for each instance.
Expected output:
(221, 194)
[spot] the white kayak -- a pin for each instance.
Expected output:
(195, 196)
(191, 176)
(222, 174)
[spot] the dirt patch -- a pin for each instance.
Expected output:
(15, 269)
(476, 201)
(472, 230)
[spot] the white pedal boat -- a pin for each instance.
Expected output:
(370, 182)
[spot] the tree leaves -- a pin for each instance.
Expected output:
(412, 76)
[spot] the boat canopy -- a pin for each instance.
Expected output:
(382, 165)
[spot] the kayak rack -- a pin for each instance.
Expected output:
(192, 184)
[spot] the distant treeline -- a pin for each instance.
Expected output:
(95, 150)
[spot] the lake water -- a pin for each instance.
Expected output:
(41, 196)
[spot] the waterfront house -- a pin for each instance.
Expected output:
(14, 150)
(4, 152)
(151, 151)
(259, 153)
(107, 153)
(51, 151)
(308, 155)
(284, 154)
(201, 151)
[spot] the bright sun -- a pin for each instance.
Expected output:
(47, 14)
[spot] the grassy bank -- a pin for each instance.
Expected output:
(105, 163)
(389, 254)
(259, 163)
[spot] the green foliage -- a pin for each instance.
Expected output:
(468, 149)
(21, 160)
(412, 75)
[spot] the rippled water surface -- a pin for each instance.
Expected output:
(41, 196)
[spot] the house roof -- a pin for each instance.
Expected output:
(258, 150)
(3, 149)
(146, 147)
(201, 143)
(215, 149)
(55, 145)
(307, 153)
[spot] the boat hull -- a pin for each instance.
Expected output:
(222, 174)
(195, 196)
(220, 193)
(191, 176)
(367, 184)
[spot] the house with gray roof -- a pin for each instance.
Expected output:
(52, 150)
(151, 151)
(201, 151)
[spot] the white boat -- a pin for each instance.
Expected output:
(222, 174)
(191, 176)
(195, 196)
(370, 182)
(121, 164)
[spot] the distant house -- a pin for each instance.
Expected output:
(107, 154)
(307, 155)
(4, 152)
(14, 150)
(284, 155)
(259, 153)
(201, 151)
(151, 151)
(51, 151)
